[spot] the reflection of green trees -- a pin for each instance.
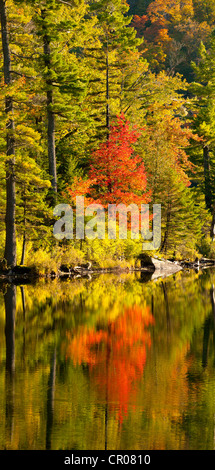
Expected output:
(56, 404)
(187, 307)
(199, 413)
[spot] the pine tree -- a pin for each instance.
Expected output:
(33, 214)
(111, 86)
(61, 80)
(182, 215)
(138, 7)
(59, 31)
(10, 245)
(203, 122)
(23, 137)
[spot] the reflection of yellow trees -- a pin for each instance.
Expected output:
(116, 354)
(168, 409)
(164, 394)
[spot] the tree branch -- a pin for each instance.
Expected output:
(22, 56)
(65, 3)
(22, 74)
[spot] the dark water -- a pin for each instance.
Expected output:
(113, 362)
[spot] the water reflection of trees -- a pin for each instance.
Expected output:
(197, 421)
(52, 403)
(115, 355)
(10, 301)
(10, 313)
(209, 329)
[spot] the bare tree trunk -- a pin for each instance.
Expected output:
(50, 113)
(10, 244)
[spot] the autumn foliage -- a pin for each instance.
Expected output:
(115, 355)
(117, 174)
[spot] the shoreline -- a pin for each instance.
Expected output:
(155, 266)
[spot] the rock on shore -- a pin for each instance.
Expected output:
(160, 265)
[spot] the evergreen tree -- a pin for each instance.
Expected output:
(203, 123)
(25, 138)
(118, 43)
(10, 245)
(138, 7)
(33, 214)
(61, 79)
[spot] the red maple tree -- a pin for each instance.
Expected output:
(117, 174)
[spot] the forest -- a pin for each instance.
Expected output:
(112, 100)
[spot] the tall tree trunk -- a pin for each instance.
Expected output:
(213, 224)
(50, 113)
(108, 105)
(164, 245)
(208, 196)
(208, 192)
(107, 92)
(10, 244)
(24, 234)
(51, 141)
(23, 248)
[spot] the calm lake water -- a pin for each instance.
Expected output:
(114, 362)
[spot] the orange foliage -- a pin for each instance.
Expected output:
(173, 11)
(156, 37)
(115, 355)
(79, 187)
(174, 139)
(139, 23)
(153, 32)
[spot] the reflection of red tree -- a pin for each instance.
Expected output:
(116, 355)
